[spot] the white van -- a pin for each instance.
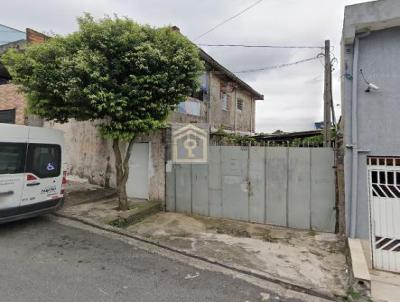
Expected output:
(32, 178)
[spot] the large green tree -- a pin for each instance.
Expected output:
(125, 75)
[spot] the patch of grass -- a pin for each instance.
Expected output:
(139, 213)
(119, 223)
(354, 295)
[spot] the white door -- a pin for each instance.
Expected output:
(138, 181)
(12, 165)
(384, 193)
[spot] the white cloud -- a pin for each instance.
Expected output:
(293, 95)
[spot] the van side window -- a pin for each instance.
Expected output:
(44, 160)
(12, 158)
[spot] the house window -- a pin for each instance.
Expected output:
(7, 116)
(239, 104)
(224, 101)
(191, 106)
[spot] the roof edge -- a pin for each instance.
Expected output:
(206, 57)
(21, 31)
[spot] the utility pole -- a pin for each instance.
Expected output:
(327, 95)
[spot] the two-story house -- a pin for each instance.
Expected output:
(224, 101)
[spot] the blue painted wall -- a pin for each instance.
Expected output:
(378, 112)
(8, 34)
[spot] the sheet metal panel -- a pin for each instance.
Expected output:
(215, 181)
(183, 186)
(257, 184)
(276, 185)
(323, 214)
(200, 189)
(170, 189)
(235, 201)
(299, 188)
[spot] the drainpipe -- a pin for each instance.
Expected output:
(354, 138)
(209, 99)
(234, 111)
(252, 103)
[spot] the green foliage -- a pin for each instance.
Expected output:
(127, 75)
(224, 138)
(316, 140)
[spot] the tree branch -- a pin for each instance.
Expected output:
(126, 159)
(118, 161)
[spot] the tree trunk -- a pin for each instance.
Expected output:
(122, 169)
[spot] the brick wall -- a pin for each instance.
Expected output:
(241, 120)
(35, 37)
(10, 98)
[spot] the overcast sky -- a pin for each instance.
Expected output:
(293, 95)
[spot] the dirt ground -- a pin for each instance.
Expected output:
(309, 259)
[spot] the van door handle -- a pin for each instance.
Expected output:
(33, 184)
(5, 193)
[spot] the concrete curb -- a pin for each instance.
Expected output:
(360, 276)
(282, 283)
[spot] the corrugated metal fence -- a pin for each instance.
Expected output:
(285, 186)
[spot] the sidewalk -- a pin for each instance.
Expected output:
(308, 260)
(385, 286)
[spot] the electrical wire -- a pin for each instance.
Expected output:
(261, 46)
(278, 66)
(229, 19)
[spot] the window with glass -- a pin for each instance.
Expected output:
(7, 116)
(224, 101)
(239, 104)
(44, 160)
(12, 158)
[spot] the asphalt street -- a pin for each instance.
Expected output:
(42, 260)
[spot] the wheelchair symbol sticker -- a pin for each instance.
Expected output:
(50, 167)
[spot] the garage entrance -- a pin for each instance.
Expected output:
(384, 195)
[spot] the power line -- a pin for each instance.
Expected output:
(229, 19)
(261, 46)
(278, 66)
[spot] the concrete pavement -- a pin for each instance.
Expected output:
(42, 260)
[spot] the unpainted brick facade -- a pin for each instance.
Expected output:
(233, 119)
(11, 98)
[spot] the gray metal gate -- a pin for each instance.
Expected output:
(284, 186)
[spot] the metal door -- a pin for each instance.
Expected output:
(384, 194)
(137, 185)
(12, 165)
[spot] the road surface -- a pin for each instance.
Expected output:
(42, 260)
